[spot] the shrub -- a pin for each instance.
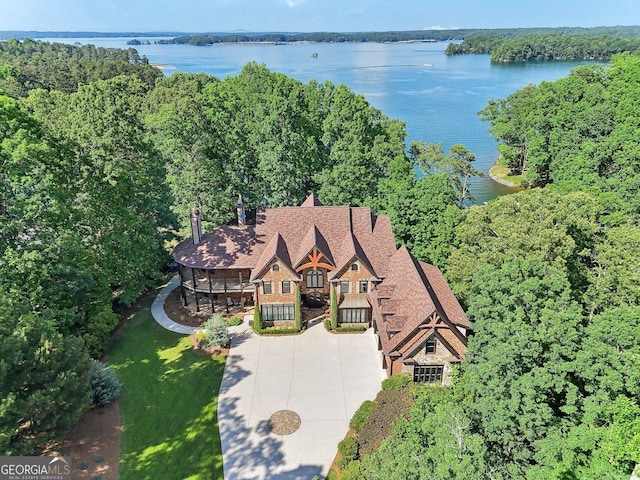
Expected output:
(216, 332)
(105, 386)
(257, 318)
(354, 471)
(348, 448)
(353, 328)
(395, 382)
(233, 321)
(334, 308)
(298, 309)
(278, 331)
(99, 328)
(392, 406)
(362, 415)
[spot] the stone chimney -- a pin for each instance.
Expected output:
(196, 226)
(242, 216)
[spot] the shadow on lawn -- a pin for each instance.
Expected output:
(168, 404)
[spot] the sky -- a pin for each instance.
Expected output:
(194, 16)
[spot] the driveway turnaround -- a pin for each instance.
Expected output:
(313, 382)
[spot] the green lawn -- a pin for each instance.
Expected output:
(168, 404)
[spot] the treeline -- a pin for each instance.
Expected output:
(394, 36)
(550, 386)
(31, 64)
(546, 47)
(98, 180)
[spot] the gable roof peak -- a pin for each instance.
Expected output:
(312, 201)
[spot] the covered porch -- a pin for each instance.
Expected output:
(222, 291)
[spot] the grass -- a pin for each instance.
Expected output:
(502, 171)
(168, 405)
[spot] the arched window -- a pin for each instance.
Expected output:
(315, 279)
(276, 267)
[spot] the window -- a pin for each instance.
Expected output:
(277, 311)
(354, 266)
(315, 279)
(353, 315)
(427, 373)
(267, 288)
(363, 286)
(344, 287)
(286, 286)
(431, 345)
(275, 268)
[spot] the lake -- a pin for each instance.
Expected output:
(436, 95)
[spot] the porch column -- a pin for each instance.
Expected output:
(183, 292)
(213, 308)
(195, 288)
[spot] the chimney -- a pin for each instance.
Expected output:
(242, 217)
(196, 226)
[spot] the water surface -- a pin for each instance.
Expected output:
(436, 95)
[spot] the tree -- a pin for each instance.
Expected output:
(435, 442)
(556, 228)
(44, 380)
(521, 359)
(430, 158)
(121, 203)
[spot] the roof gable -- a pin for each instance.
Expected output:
(276, 248)
(311, 245)
(311, 201)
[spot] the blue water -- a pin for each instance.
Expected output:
(437, 96)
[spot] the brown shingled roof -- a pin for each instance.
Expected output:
(227, 247)
(276, 248)
(414, 293)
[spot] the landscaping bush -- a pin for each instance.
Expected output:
(257, 318)
(395, 382)
(334, 308)
(354, 328)
(348, 448)
(392, 405)
(105, 386)
(362, 415)
(278, 331)
(216, 332)
(298, 309)
(233, 321)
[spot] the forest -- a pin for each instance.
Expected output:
(546, 47)
(102, 158)
(204, 39)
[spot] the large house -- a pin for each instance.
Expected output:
(319, 249)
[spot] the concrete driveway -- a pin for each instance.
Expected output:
(322, 377)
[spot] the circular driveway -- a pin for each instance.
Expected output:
(322, 377)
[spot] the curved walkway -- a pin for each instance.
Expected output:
(323, 377)
(157, 310)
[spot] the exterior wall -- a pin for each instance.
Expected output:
(353, 277)
(326, 287)
(276, 279)
(442, 356)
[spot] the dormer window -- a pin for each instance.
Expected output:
(275, 268)
(431, 346)
(354, 266)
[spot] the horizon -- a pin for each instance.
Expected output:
(127, 33)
